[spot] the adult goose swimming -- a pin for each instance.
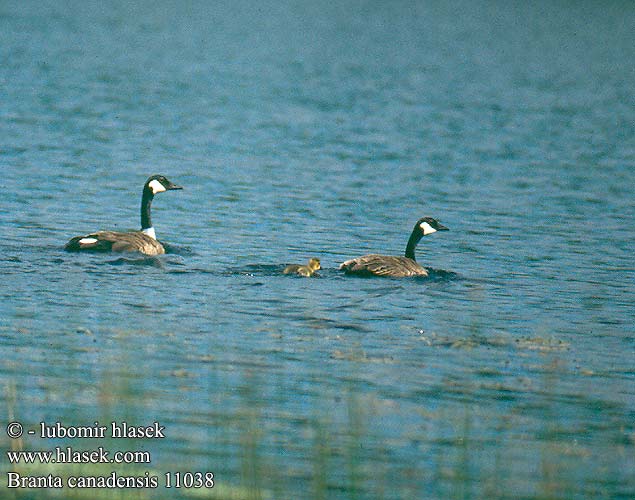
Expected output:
(144, 241)
(387, 265)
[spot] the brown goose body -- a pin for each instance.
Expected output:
(383, 265)
(143, 241)
(397, 267)
(115, 241)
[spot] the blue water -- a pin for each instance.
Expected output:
(326, 129)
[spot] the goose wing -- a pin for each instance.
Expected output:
(114, 241)
(383, 265)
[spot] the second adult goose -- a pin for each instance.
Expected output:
(387, 265)
(144, 241)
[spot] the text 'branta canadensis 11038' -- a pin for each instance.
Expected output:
(144, 241)
(387, 265)
(308, 270)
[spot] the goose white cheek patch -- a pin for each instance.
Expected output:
(87, 241)
(156, 186)
(427, 228)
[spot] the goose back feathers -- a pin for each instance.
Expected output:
(383, 265)
(115, 241)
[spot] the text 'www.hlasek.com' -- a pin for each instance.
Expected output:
(57, 467)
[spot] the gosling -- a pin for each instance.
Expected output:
(308, 270)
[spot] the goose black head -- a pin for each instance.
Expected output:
(428, 225)
(159, 183)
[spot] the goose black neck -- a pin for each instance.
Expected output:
(412, 243)
(146, 202)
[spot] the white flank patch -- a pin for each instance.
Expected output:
(150, 231)
(88, 241)
(156, 186)
(427, 228)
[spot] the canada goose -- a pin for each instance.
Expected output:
(308, 270)
(385, 265)
(144, 241)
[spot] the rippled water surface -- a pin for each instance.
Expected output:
(326, 129)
